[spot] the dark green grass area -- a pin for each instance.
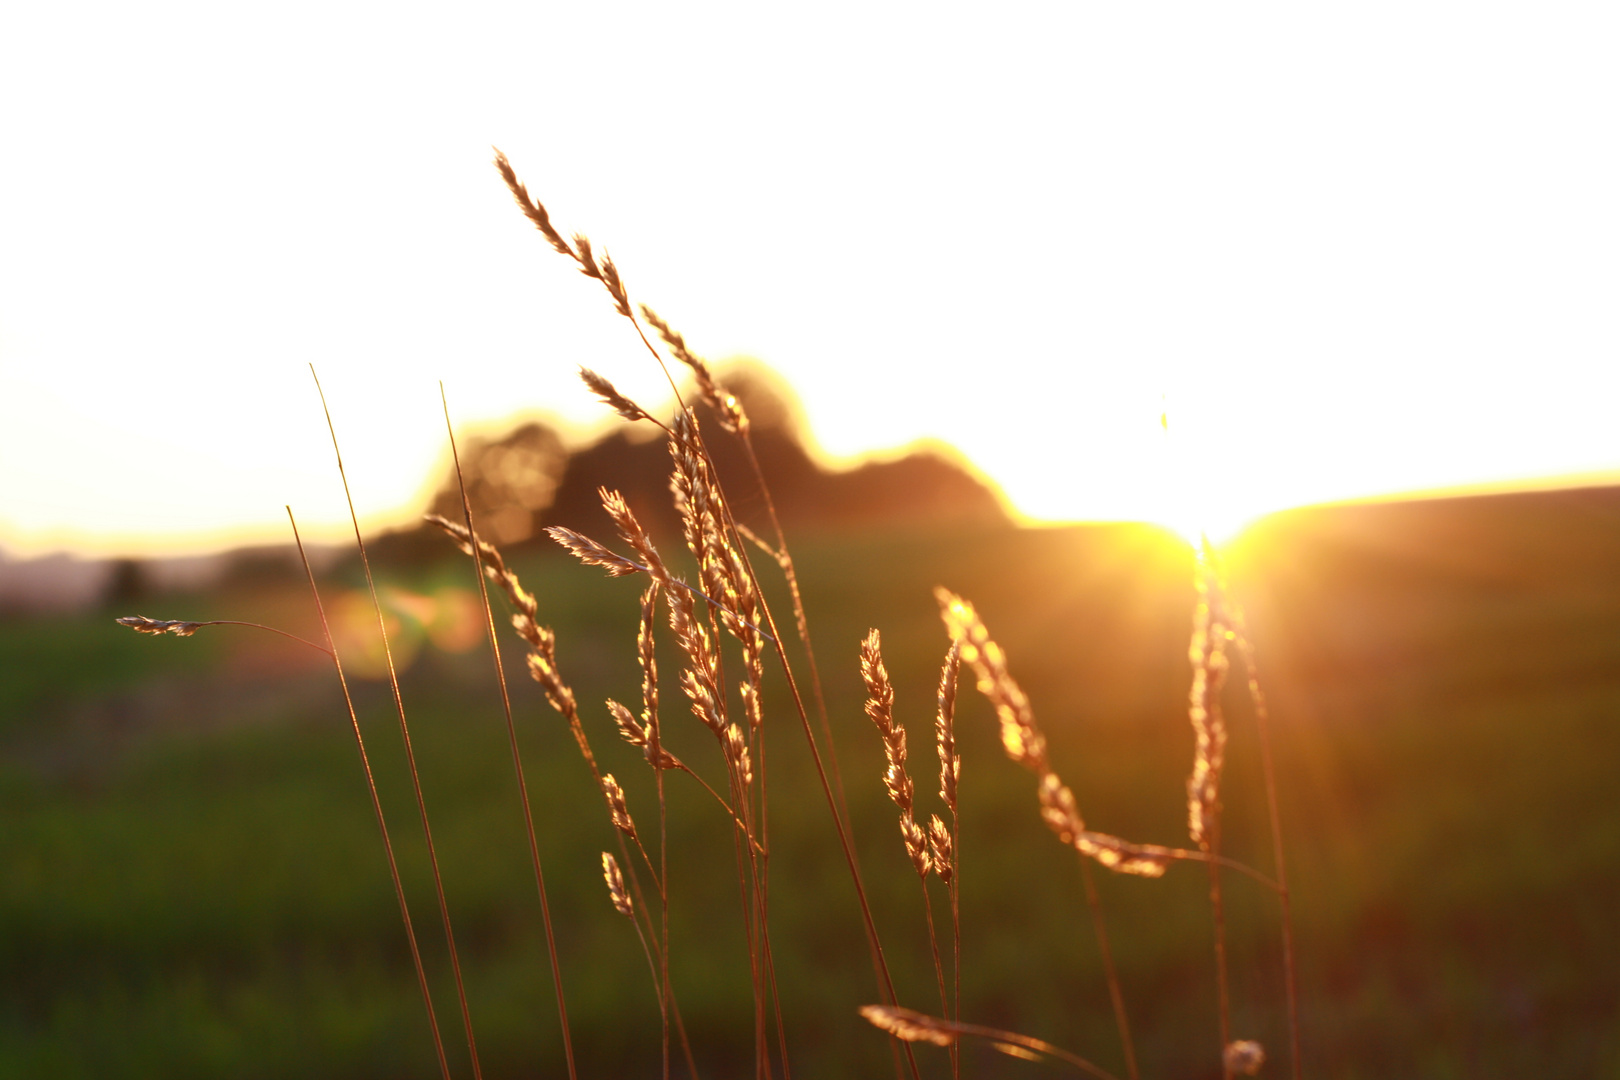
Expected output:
(193, 884)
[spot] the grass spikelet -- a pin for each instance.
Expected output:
(542, 663)
(141, 624)
(1021, 738)
(724, 403)
(647, 656)
(941, 854)
(636, 734)
(633, 534)
(591, 553)
(610, 396)
(916, 841)
(880, 707)
(496, 570)
(912, 1026)
(698, 685)
(1025, 744)
(950, 762)
(908, 1024)
(737, 755)
(1207, 651)
(531, 207)
(616, 890)
(618, 810)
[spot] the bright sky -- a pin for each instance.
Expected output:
(1358, 250)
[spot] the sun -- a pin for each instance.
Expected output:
(1194, 496)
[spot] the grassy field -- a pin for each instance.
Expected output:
(193, 885)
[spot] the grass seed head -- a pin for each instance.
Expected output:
(950, 762)
(880, 707)
(532, 208)
(723, 402)
(618, 810)
(941, 854)
(1207, 651)
(143, 625)
(591, 553)
(916, 841)
(907, 1025)
(615, 883)
(737, 754)
(612, 398)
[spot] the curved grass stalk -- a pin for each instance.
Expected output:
(405, 736)
(517, 759)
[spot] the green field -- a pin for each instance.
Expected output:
(193, 886)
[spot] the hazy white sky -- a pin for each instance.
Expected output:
(1358, 251)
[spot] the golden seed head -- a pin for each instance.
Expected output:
(610, 395)
(916, 844)
(950, 762)
(617, 808)
(615, 884)
(591, 553)
(907, 1024)
(629, 727)
(941, 855)
(737, 754)
(1122, 857)
(143, 625)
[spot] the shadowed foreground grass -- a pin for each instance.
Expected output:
(193, 885)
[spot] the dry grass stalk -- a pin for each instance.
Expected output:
(1262, 720)
(1021, 737)
(724, 403)
(738, 570)
(1207, 652)
(405, 737)
(479, 573)
(622, 903)
(376, 802)
(943, 843)
(925, 849)
(542, 664)
(647, 658)
(1025, 744)
(880, 707)
(603, 270)
(142, 624)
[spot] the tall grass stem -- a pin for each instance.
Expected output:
(405, 736)
(517, 760)
(376, 803)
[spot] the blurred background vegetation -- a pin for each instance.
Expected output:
(191, 884)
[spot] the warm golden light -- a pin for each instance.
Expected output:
(1366, 285)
